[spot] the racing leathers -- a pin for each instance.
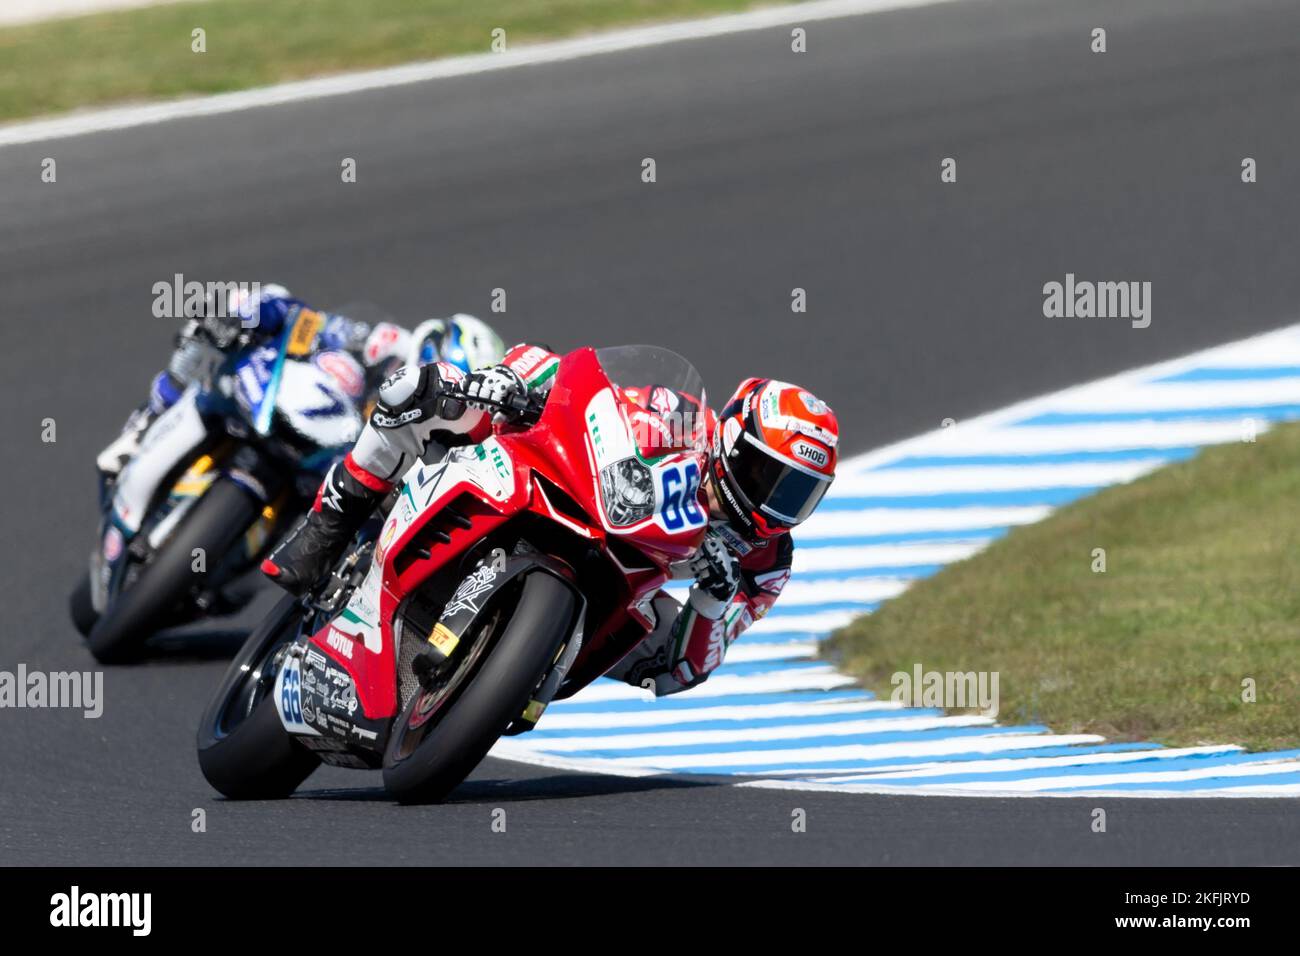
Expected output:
(690, 640)
(412, 418)
(736, 580)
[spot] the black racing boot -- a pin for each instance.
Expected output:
(342, 506)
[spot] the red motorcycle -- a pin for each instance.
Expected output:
(510, 574)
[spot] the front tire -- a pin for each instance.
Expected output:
(217, 520)
(244, 751)
(492, 696)
(81, 607)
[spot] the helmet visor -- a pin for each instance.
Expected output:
(772, 484)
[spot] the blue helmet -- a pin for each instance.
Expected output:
(263, 306)
(231, 309)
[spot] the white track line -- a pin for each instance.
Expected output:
(997, 765)
(805, 593)
(974, 743)
(1284, 790)
(511, 749)
(819, 623)
(1282, 346)
(1163, 396)
(862, 729)
(973, 439)
(866, 557)
(1263, 790)
(1099, 780)
(972, 478)
(531, 55)
(31, 11)
(793, 650)
(558, 719)
(847, 524)
(724, 685)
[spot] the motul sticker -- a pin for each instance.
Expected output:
(340, 643)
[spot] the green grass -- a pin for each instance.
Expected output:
(1201, 590)
(144, 54)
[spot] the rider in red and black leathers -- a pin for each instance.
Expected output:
(773, 456)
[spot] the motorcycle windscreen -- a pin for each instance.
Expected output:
(664, 385)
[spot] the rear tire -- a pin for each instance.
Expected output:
(494, 696)
(245, 753)
(217, 520)
(81, 607)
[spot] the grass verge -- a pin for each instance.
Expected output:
(1201, 591)
(145, 53)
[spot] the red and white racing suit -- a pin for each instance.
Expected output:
(690, 639)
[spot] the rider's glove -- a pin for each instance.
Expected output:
(490, 388)
(717, 577)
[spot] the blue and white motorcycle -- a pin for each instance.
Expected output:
(218, 479)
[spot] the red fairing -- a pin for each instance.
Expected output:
(558, 449)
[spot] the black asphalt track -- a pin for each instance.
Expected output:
(775, 171)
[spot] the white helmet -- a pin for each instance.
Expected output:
(462, 340)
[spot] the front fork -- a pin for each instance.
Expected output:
(474, 597)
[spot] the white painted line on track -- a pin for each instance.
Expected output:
(510, 748)
(1283, 790)
(974, 439)
(805, 593)
(1155, 776)
(1011, 477)
(557, 718)
(880, 521)
(1166, 396)
(998, 765)
(1263, 790)
(975, 743)
(819, 622)
(865, 557)
(800, 650)
(862, 729)
(556, 51)
(1282, 346)
(723, 685)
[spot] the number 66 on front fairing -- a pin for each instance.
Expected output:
(523, 567)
